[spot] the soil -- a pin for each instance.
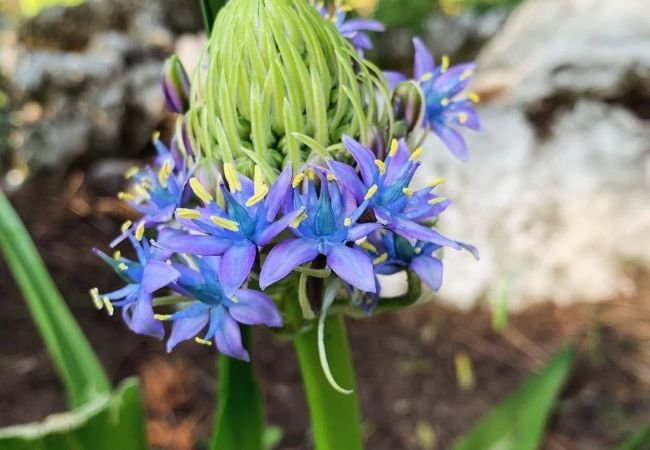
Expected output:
(411, 396)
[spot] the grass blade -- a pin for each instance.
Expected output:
(638, 441)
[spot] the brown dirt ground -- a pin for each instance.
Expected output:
(404, 361)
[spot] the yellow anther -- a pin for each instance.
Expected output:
(234, 299)
(444, 101)
(435, 201)
(225, 223)
(381, 166)
(259, 180)
(298, 179)
(94, 294)
(164, 173)
(125, 196)
(122, 266)
(417, 250)
(257, 197)
(142, 191)
(309, 173)
(162, 317)
(139, 231)
(466, 74)
(368, 246)
(186, 213)
(393, 147)
(155, 136)
(125, 226)
(261, 189)
(416, 154)
(232, 178)
(426, 77)
(347, 222)
(301, 216)
(380, 259)
(200, 191)
(474, 97)
(108, 305)
(331, 176)
(444, 65)
(117, 255)
(408, 192)
(198, 340)
(437, 182)
(131, 172)
(371, 192)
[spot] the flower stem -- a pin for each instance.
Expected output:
(335, 417)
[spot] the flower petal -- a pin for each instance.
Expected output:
(423, 59)
(348, 177)
(452, 139)
(236, 265)
(184, 329)
(195, 244)
(429, 270)
(284, 257)
(228, 337)
(362, 230)
(415, 231)
(157, 275)
(352, 265)
(139, 318)
(277, 193)
(394, 78)
(254, 307)
(364, 158)
(270, 232)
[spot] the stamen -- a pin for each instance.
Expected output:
(381, 166)
(200, 191)
(302, 216)
(347, 222)
(125, 226)
(198, 340)
(437, 182)
(462, 117)
(298, 179)
(444, 101)
(122, 266)
(117, 255)
(125, 196)
(416, 154)
(234, 299)
(225, 223)
(466, 74)
(142, 191)
(309, 173)
(139, 231)
(435, 201)
(444, 65)
(186, 213)
(231, 177)
(155, 136)
(408, 192)
(257, 197)
(94, 294)
(380, 259)
(331, 176)
(426, 77)
(164, 173)
(108, 305)
(417, 250)
(131, 172)
(393, 147)
(371, 192)
(368, 246)
(261, 189)
(474, 97)
(162, 317)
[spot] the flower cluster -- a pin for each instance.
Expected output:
(217, 246)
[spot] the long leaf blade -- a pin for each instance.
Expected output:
(518, 423)
(78, 366)
(638, 441)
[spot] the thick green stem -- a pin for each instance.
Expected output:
(335, 417)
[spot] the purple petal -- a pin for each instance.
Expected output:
(449, 83)
(394, 78)
(470, 120)
(270, 232)
(254, 307)
(362, 230)
(353, 25)
(184, 329)
(429, 270)
(139, 318)
(423, 59)
(195, 244)
(352, 265)
(413, 230)
(284, 257)
(364, 158)
(277, 193)
(348, 177)
(228, 337)
(157, 275)
(236, 265)
(452, 139)
(470, 248)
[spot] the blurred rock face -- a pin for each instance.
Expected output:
(86, 78)
(557, 191)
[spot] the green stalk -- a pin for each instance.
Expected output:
(240, 416)
(82, 374)
(335, 417)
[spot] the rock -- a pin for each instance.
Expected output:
(561, 214)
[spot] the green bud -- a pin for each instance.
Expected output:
(278, 84)
(408, 106)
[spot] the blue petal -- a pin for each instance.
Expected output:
(184, 329)
(236, 265)
(277, 193)
(452, 139)
(195, 244)
(253, 308)
(284, 257)
(270, 232)
(415, 231)
(228, 337)
(359, 231)
(361, 25)
(365, 159)
(429, 270)
(139, 318)
(348, 177)
(423, 59)
(394, 78)
(353, 266)
(157, 275)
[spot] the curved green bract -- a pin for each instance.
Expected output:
(81, 372)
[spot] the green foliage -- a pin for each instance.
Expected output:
(108, 422)
(518, 423)
(240, 416)
(638, 441)
(80, 370)
(210, 9)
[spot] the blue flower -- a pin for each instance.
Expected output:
(446, 107)
(143, 277)
(236, 228)
(351, 29)
(221, 313)
(324, 228)
(395, 205)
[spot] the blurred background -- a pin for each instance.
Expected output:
(556, 195)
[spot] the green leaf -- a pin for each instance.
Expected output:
(240, 416)
(80, 370)
(638, 441)
(518, 423)
(209, 9)
(109, 422)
